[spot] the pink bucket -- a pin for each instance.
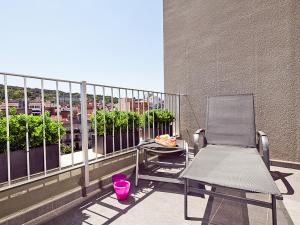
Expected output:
(118, 176)
(122, 188)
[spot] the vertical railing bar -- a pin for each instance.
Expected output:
(127, 118)
(157, 103)
(149, 132)
(174, 107)
(179, 122)
(104, 119)
(175, 121)
(58, 124)
(169, 101)
(144, 115)
(170, 98)
(84, 137)
(133, 128)
(153, 114)
(121, 144)
(138, 97)
(176, 113)
(161, 107)
(95, 122)
(7, 131)
(171, 109)
(71, 122)
(27, 135)
(165, 104)
(113, 126)
(44, 127)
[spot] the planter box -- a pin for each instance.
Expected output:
(117, 140)
(159, 129)
(18, 162)
(130, 139)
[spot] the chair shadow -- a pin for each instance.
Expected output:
(219, 211)
(211, 214)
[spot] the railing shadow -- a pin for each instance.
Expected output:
(103, 206)
(217, 211)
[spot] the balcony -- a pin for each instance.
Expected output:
(62, 140)
(56, 166)
(73, 186)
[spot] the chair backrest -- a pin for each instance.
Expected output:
(230, 120)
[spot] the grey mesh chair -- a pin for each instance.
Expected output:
(229, 156)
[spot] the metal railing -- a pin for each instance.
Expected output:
(84, 104)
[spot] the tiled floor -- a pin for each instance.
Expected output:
(162, 203)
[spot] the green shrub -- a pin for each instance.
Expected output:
(66, 149)
(17, 131)
(159, 116)
(133, 119)
(115, 120)
(118, 119)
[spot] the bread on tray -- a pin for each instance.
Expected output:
(166, 140)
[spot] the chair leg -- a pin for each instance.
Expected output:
(274, 213)
(185, 199)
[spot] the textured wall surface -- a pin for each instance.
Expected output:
(221, 47)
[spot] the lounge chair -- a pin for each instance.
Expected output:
(229, 156)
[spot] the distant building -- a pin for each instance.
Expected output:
(132, 105)
(155, 102)
(11, 104)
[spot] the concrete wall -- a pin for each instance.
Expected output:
(221, 47)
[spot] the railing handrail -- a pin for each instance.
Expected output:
(40, 78)
(87, 83)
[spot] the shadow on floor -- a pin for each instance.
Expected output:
(148, 202)
(106, 209)
(104, 206)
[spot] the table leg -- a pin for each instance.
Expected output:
(186, 153)
(145, 158)
(185, 199)
(137, 168)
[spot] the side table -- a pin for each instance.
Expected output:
(151, 146)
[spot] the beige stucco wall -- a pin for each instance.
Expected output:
(228, 47)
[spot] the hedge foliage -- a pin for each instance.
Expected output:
(17, 131)
(119, 119)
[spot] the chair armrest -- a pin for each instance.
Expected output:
(197, 134)
(261, 133)
(263, 146)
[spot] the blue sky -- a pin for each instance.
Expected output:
(114, 42)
